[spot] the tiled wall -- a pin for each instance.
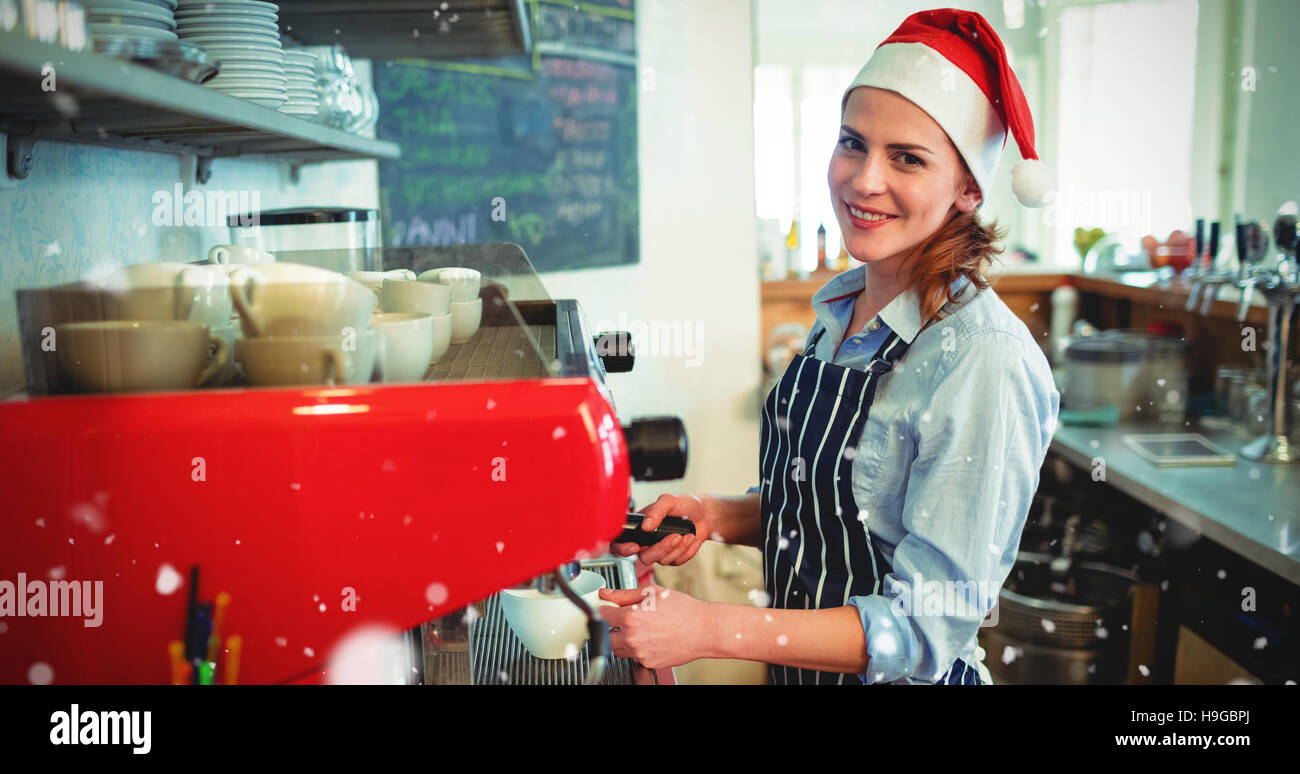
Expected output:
(86, 210)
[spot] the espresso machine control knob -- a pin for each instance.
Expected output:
(656, 448)
(616, 351)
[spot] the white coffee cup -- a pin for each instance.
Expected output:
(283, 361)
(466, 316)
(441, 336)
(549, 625)
(230, 369)
(464, 283)
(375, 280)
(292, 299)
(408, 345)
(138, 355)
(239, 254)
(167, 291)
(415, 296)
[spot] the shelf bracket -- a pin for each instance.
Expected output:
(18, 156)
(202, 169)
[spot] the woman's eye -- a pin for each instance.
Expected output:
(917, 159)
(850, 143)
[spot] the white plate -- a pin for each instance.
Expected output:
(231, 40)
(223, 24)
(264, 83)
(269, 57)
(137, 12)
(128, 30)
(240, 84)
(132, 5)
(200, 11)
(256, 94)
(272, 7)
(247, 68)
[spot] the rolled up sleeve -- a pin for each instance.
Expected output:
(980, 441)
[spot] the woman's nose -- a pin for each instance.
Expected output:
(870, 177)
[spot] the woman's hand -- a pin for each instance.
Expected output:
(676, 549)
(655, 626)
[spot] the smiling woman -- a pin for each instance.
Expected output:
(900, 452)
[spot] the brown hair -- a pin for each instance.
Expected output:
(961, 246)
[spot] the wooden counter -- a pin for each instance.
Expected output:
(1122, 301)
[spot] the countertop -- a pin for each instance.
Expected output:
(1252, 509)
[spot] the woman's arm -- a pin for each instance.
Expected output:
(737, 518)
(828, 640)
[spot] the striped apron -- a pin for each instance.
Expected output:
(817, 552)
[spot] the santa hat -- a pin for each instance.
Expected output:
(951, 64)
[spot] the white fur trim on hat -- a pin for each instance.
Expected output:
(947, 93)
(1031, 182)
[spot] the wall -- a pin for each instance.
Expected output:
(86, 210)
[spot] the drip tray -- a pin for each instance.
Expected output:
(498, 353)
(495, 656)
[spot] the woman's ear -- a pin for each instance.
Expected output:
(969, 197)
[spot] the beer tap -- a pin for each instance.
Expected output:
(1280, 290)
(1206, 283)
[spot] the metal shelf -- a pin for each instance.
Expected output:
(104, 101)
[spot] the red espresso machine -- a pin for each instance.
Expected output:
(388, 513)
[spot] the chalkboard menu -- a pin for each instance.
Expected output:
(540, 151)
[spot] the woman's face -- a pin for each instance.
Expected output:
(893, 158)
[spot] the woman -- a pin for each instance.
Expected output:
(900, 452)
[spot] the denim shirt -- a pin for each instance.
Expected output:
(946, 467)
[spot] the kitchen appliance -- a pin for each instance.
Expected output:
(1061, 622)
(328, 513)
(346, 239)
(1141, 374)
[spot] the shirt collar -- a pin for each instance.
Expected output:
(902, 314)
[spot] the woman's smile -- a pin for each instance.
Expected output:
(867, 218)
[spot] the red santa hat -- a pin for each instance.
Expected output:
(952, 65)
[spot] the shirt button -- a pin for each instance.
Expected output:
(873, 325)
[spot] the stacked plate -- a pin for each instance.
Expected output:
(300, 69)
(244, 35)
(133, 19)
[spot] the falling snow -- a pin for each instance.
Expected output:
(308, 652)
(436, 593)
(558, 434)
(1049, 625)
(40, 673)
(57, 573)
(168, 580)
(782, 640)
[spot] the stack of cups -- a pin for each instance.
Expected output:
(164, 326)
(303, 325)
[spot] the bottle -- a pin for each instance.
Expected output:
(1065, 307)
(793, 265)
(821, 247)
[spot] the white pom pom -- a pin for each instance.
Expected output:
(1031, 182)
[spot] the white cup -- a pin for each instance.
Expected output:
(415, 296)
(282, 361)
(230, 369)
(441, 336)
(239, 254)
(375, 280)
(466, 316)
(549, 625)
(464, 283)
(291, 299)
(138, 355)
(408, 345)
(167, 291)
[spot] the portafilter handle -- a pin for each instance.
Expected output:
(671, 525)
